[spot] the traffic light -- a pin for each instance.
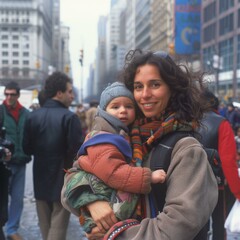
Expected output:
(171, 48)
(81, 57)
(37, 64)
(66, 68)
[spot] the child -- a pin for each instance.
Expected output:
(106, 154)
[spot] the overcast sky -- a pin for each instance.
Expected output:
(82, 18)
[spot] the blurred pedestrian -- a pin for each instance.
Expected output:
(233, 116)
(222, 109)
(91, 114)
(41, 97)
(4, 176)
(216, 133)
(14, 115)
(237, 139)
(81, 113)
(53, 136)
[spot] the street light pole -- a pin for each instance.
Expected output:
(217, 67)
(81, 80)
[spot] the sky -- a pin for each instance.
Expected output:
(82, 18)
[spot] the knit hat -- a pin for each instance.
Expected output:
(112, 91)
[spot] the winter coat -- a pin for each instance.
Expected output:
(191, 197)
(217, 133)
(4, 176)
(14, 133)
(117, 173)
(53, 136)
(108, 150)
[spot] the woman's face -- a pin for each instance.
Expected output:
(150, 91)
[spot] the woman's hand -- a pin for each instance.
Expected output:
(95, 234)
(102, 215)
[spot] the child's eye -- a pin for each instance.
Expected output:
(130, 107)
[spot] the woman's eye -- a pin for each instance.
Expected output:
(137, 87)
(155, 84)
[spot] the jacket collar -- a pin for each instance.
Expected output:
(52, 103)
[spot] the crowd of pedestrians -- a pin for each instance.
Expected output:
(155, 99)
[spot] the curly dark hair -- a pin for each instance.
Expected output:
(185, 86)
(56, 82)
(13, 86)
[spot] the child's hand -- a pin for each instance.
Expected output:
(158, 176)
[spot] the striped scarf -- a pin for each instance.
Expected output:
(146, 133)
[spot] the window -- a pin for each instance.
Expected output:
(25, 72)
(15, 45)
(26, 54)
(226, 24)
(226, 52)
(5, 45)
(15, 37)
(225, 5)
(5, 71)
(15, 54)
(209, 12)
(4, 36)
(26, 45)
(4, 53)
(15, 71)
(4, 61)
(25, 62)
(15, 62)
(238, 52)
(209, 33)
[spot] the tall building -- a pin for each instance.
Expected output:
(221, 45)
(130, 25)
(113, 34)
(26, 41)
(100, 74)
(143, 24)
(162, 28)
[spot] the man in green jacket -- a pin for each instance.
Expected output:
(14, 115)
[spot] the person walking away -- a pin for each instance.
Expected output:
(53, 135)
(90, 115)
(14, 116)
(216, 132)
(81, 113)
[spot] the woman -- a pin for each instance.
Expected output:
(168, 98)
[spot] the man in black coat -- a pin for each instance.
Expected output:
(53, 136)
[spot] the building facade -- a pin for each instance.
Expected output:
(29, 41)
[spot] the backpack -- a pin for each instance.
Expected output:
(164, 149)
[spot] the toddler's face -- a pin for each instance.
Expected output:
(122, 108)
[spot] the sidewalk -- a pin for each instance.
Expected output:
(29, 228)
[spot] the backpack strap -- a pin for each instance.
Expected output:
(161, 154)
(160, 158)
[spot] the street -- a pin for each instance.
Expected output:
(29, 228)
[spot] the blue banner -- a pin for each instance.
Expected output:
(187, 26)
